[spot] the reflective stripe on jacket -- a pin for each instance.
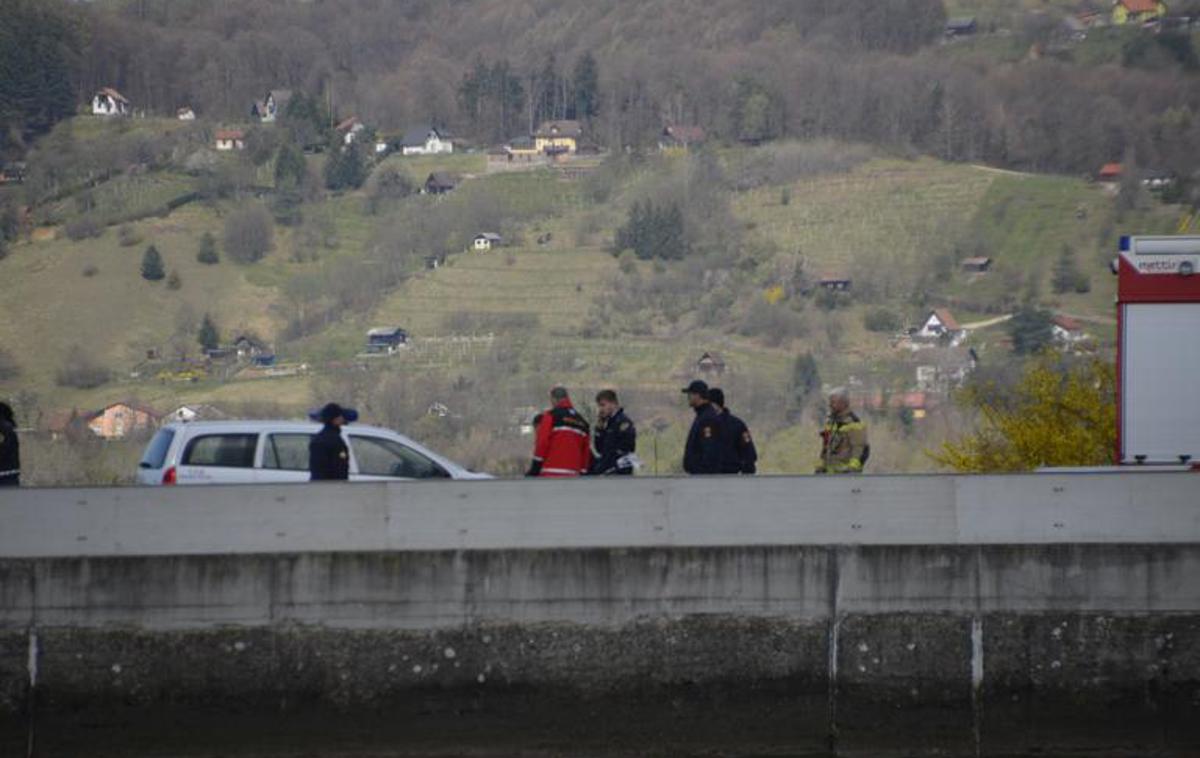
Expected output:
(563, 446)
(844, 447)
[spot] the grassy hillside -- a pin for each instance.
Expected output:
(491, 331)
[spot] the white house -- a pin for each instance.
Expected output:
(267, 109)
(185, 114)
(350, 129)
(192, 412)
(1067, 331)
(425, 140)
(940, 324)
(230, 139)
(487, 240)
(108, 102)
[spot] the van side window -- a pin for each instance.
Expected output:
(377, 456)
(226, 450)
(287, 451)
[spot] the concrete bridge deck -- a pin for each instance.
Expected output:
(983, 615)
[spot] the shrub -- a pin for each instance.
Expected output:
(248, 234)
(388, 183)
(208, 250)
(90, 270)
(882, 320)
(81, 371)
(152, 265)
(128, 236)
(174, 281)
(84, 227)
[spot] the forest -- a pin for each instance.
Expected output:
(490, 70)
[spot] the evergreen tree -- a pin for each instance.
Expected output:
(208, 250)
(1066, 274)
(152, 265)
(806, 379)
(290, 168)
(586, 82)
(174, 280)
(208, 336)
(1030, 329)
(37, 40)
(346, 168)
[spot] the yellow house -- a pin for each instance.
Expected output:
(1137, 11)
(557, 137)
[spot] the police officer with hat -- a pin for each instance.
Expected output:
(328, 456)
(702, 454)
(738, 454)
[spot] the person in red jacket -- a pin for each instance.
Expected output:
(563, 446)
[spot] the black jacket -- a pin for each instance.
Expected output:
(10, 455)
(614, 438)
(738, 454)
(702, 455)
(328, 456)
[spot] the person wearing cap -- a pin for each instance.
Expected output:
(702, 454)
(562, 447)
(615, 437)
(738, 454)
(10, 448)
(328, 456)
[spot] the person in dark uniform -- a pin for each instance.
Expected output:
(702, 455)
(738, 454)
(10, 448)
(328, 456)
(614, 439)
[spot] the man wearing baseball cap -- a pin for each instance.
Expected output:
(328, 456)
(702, 455)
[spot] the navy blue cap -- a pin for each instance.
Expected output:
(332, 411)
(698, 387)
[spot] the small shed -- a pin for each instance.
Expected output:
(977, 264)
(711, 364)
(249, 347)
(680, 136)
(961, 26)
(185, 114)
(386, 339)
(230, 139)
(835, 282)
(487, 240)
(1110, 172)
(440, 182)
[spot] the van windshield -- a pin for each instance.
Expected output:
(156, 451)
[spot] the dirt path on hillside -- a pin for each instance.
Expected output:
(987, 323)
(994, 170)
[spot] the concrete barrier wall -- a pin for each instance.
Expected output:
(798, 612)
(1158, 508)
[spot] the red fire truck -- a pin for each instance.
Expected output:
(1158, 351)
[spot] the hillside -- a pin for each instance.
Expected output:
(491, 331)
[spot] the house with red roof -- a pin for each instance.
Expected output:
(1138, 11)
(230, 139)
(108, 102)
(1066, 330)
(1110, 172)
(941, 325)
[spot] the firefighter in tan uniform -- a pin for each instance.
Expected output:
(844, 446)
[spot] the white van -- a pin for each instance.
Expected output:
(248, 452)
